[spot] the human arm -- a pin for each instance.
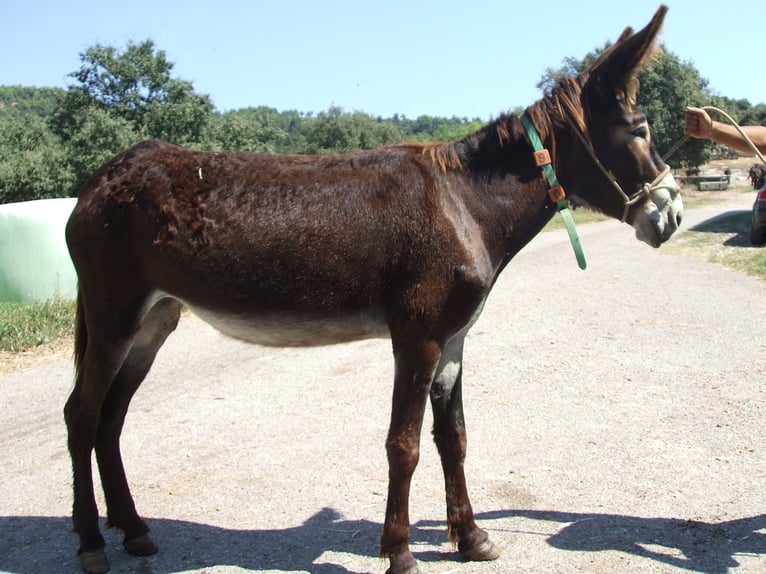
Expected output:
(700, 125)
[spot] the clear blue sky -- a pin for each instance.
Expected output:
(441, 58)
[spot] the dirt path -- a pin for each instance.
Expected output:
(616, 424)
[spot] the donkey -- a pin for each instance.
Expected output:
(405, 241)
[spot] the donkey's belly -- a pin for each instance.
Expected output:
(294, 330)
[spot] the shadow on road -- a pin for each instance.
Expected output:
(722, 222)
(45, 544)
(687, 544)
(735, 222)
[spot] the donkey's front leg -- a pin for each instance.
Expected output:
(415, 366)
(450, 437)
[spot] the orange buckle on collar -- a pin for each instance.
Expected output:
(556, 194)
(542, 157)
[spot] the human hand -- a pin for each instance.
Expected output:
(698, 123)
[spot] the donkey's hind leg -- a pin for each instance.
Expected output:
(113, 350)
(102, 343)
(451, 440)
(156, 325)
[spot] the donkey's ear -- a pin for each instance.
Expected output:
(626, 33)
(615, 69)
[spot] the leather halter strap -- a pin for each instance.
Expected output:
(555, 189)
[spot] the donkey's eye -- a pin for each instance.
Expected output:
(641, 132)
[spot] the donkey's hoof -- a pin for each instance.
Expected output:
(94, 561)
(483, 551)
(141, 546)
(404, 564)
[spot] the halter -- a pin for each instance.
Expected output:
(556, 191)
(628, 200)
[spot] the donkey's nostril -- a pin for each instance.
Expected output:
(679, 218)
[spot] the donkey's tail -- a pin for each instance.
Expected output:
(80, 334)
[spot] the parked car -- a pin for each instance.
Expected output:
(758, 228)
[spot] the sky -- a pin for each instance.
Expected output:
(472, 59)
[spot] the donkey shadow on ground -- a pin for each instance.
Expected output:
(691, 545)
(29, 545)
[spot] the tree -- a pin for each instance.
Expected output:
(121, 98)
(570, 66)
(752, 115)
(455, 128)
(244, 130)
(100, 137)
(22, 100)
(136, 86)
(667, 87)
(32, 161)
(292, 123)
(180, 117)
(334, 131)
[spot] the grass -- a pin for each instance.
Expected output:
(725, 241)
(27, 325)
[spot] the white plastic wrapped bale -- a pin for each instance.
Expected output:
(34, 260)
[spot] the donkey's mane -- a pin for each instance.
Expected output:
(547, 114)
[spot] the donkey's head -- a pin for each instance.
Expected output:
(625, 178)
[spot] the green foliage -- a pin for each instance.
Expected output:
(131, 84)
(430, 128)
(570, 66)
(749, 115)
(20, 101)
(100, 136)
(667, 87)
(32, 162)
(670, 80)
(122, 98)
(180, 117)
(253, 129)
(27, 325)
(725, 241)
(52, 139)
(335, 132)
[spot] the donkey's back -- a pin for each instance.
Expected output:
(276, 250)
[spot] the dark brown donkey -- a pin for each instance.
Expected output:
(403, 242)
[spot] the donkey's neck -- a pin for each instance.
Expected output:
(505, 190)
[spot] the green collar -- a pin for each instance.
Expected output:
(555, 190)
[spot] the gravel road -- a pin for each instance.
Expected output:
(615, 418)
